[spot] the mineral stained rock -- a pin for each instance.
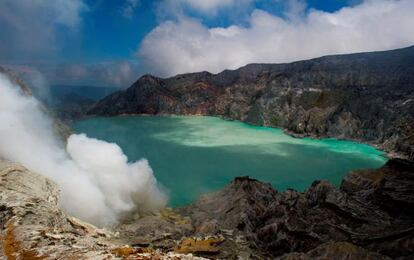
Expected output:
(367, 97)
(336, 250)
(32, 225)
(370, 216)
(199, 245)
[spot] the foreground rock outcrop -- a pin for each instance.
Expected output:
(371, 216)
(367, 97)
(32, 225)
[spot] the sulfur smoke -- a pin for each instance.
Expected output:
(97, 182)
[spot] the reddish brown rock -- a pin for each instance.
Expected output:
(367, 97)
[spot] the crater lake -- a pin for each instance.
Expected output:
(193, 155)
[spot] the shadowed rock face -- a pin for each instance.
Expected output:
(366, 96)
(373, 209)
(336, 250)
(370, 216)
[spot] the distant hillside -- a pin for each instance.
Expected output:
(90, 92)
(364, 96)
(72, 102)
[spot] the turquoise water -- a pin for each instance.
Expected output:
(192, 155)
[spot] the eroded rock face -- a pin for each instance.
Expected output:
(369, 217)
(336, 250)
(32, 226)
(361, 216)
(32, 223)
(367, 97)
(372, 209)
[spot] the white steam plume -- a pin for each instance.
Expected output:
(98, 184)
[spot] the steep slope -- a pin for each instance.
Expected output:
(365, 96)
(72, 102)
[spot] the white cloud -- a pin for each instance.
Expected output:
(120, 73)
(129, 8)
(31, 28)
(186, 45)
(209, 8)
(212, 6)
(295, 9)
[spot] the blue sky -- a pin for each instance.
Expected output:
(108, 34)
(112, 42)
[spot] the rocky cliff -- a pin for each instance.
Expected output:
(366, 96)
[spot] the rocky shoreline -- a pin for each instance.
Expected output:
(387, 153)
(366, 97)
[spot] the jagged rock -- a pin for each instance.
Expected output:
(391, 187)
(209, 217)
(367, 97)
(161, 231)
(369, 217)
(244, 199)
(336, 250)
(199, 245)
(334, 216)
(32, 225)
(375, 214)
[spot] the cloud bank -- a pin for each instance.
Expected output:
(211, 7)
(111, 73)
(97, 182)
(33, 29)
(186, 45)
(34, 36)
(129, 8)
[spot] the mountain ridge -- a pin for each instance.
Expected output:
(266, 65)
(366, 97)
